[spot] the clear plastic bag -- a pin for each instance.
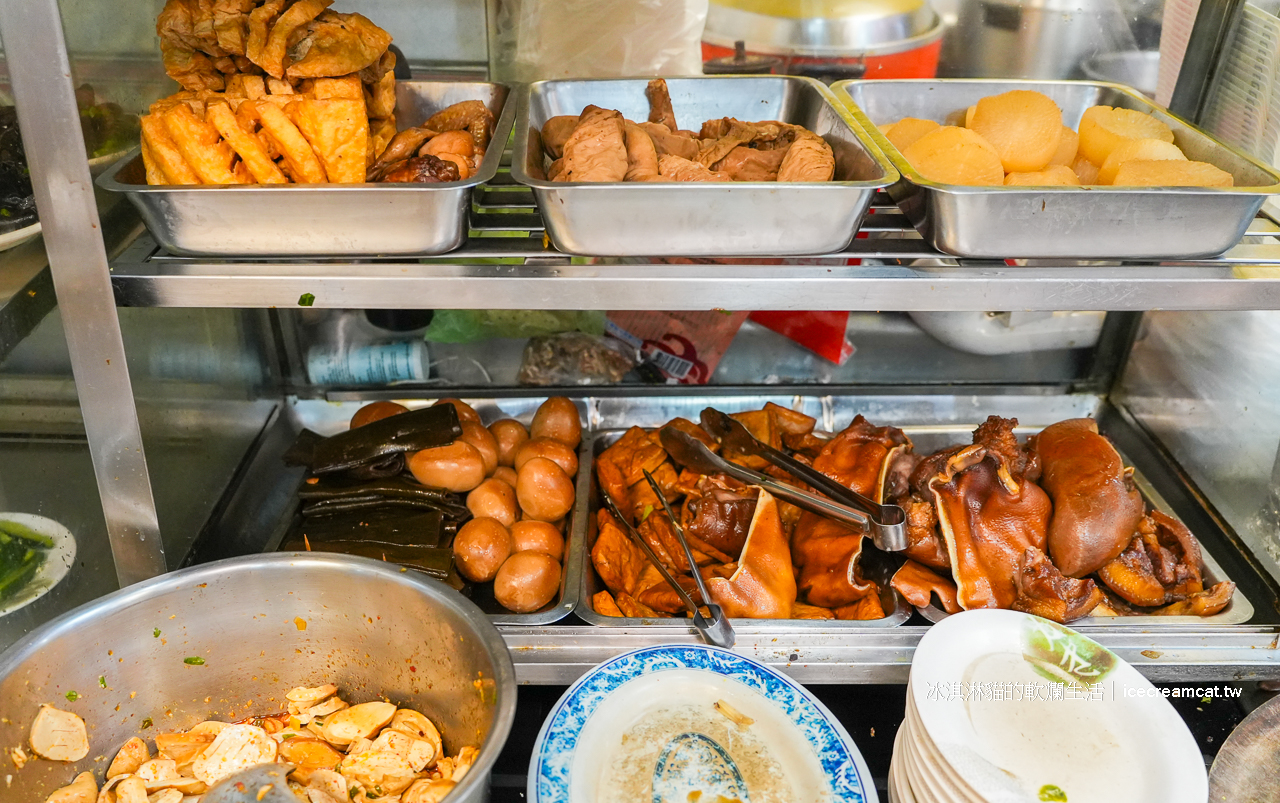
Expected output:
(467, 326)
(574, 358)
(532, 40)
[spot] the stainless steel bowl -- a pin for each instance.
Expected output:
(262, 624)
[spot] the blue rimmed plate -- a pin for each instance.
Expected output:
(676, 723)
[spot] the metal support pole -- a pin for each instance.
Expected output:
(40, 72)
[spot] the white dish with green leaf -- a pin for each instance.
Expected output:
(1025, 709)
(35, 553)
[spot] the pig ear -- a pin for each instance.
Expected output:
(764, 585)
(986, 526)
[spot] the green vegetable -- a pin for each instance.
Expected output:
(14, 579)
(194, 660)
(22, 553)
(155, 633)
(26, 533)
(102, 681)
(306, 300)
(146, 723)
(72, 696)
(1052, 794)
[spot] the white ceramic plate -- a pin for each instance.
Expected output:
(644, 727)
(17, 237)
(917, 740)
(899, 790)
(57, 561)
(1017, 704)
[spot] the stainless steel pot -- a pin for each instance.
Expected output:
(1045, 39)
(262, 624)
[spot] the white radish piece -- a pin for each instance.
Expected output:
(59, 735)
(356, 722)
(310, 696)
(131, 756)
(82, 790)
(237, 747)
(426, 791)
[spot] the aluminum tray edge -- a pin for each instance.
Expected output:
(601, 219)
(900, 612)
(1145, 223)
(320, 220)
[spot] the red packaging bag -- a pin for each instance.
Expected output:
(823, 333)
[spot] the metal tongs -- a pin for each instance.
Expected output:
(716, 630)
(886, 524)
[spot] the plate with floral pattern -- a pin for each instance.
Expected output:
(688, 722)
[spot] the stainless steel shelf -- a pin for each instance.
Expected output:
(560, 654)
(508, 263)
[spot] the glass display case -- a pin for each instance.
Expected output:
(150, 410)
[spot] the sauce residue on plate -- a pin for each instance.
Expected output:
(1075, 745)
(693, 752)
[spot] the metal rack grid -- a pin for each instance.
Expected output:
(508, 262)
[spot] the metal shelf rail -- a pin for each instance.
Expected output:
(508, 262)
(559, 654)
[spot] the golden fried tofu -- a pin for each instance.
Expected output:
(381, 130)
(339, 134)
(260, 21)
(615, 557)
(246, 86)
(346, 87)
(336, 44)
(271, 59)
(381, 97)
(634, 453)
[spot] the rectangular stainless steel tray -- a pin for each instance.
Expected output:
(1238, 611)
(334, 220)
(1078, 222)
(331, 418)
(703, 219)
(897, 610)
(932, 422)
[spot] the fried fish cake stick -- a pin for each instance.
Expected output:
(250, 149)
(164, 152)
(200, 145)
(299, 159)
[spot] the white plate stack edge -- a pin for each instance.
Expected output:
(1004, 707)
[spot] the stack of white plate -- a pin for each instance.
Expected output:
(1006, 707)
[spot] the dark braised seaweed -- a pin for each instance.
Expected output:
(397, 527)
(374, 443)
(17, 204)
